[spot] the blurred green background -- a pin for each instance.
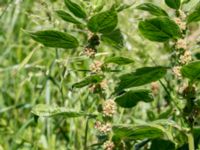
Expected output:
(32, 74)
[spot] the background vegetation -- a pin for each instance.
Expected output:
(32, 74)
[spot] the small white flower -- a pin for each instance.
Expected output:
(180, 23)
(104, 84)
(186, 57)
(182, 15)
(96, 66)
(90, 52)
(103, 128)
(108, 145)
(181, 44)
(177, 71)
(109, 108)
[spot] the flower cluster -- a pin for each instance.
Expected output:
(108, 145)
(103, 128)
(90, 52)
(104, 84)
(180, 23)
(186, 57)
(181, 44)
(182, 14)
(177, 71)
(109, 108)
(96, 66)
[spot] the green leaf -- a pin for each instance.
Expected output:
(55, 39)
(67, 17)
(89, 80)
(152, 9)
(140, 77)
(191, 71)
(104, 22)
(76, 9)
(43, 110)
(160, 144)
(119, 60)
(159, 29)
(131, 98)
(195, 15)
(139, 132)
(175, 4)
(114, 38)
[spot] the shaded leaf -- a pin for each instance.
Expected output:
(89, 80)
(152, 9)
(159, 29)
(114, 38)
(76, 9)
(175, 4)
(119, 60)
(160, 144)
(67, 17)
(104, 22)
(140, 77)
(139, 132)
(131, 98)
(55, 39)
(43, 110)
(191, 70)
(195, 15)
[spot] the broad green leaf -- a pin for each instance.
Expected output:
(175, 4)
(152, 9)
(195, 15)
(139, 132)
(140, 77)
(89, 80)
(55, 39)
(119, 60)
(159, 29)
(104, 22)
(67, 17)
(191, 70)
(114, 38)
(160, 144)
(43, 110)
(131, 98)
(76, 9)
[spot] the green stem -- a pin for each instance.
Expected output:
(191, 141)
(86, 134)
